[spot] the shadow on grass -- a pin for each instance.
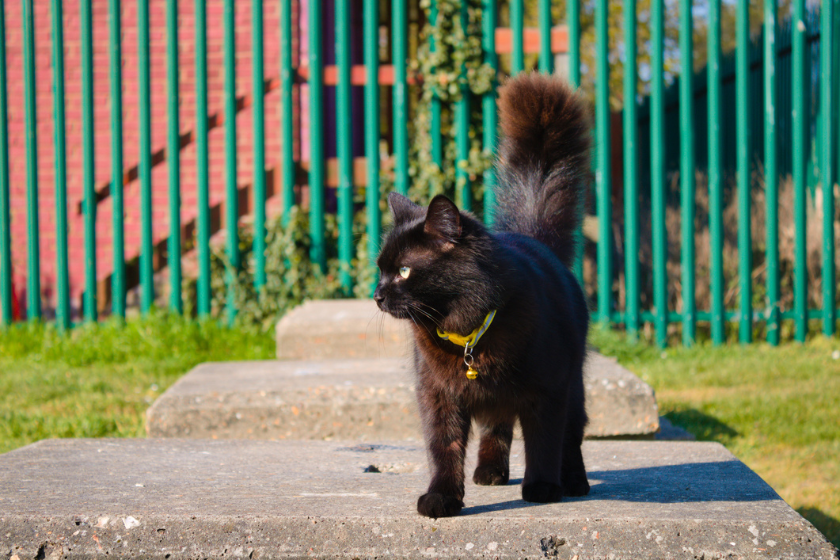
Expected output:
(825, 524)
(703, 426)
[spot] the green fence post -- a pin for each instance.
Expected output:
(743, 151)
(117, 183)
(400, 54)
(488, 105)
(461, 111)
(344, 140)
(657, 172)
(573, 22)
(232, 193)
(603, 184)
(546, 56)
(437, 144)
(173, 157)
(258, 94)
(631, 186)
(687, 185)
(827, 101)
(718, 315)
(62, 306)
(201, 160)
(835, 118)
(287, 80)
(33, 291)
(374, 221)
(771, 173)
(86, 40)
(316, 138)
(5, 189)
(147, 294)
(517, 29)
(798, 121)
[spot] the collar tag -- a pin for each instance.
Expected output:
(469, 341)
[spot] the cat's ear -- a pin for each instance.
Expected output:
(443, 219)
(402, 208)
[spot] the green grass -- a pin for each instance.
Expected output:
(776, 409)
(98, 380)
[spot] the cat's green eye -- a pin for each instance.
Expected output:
(405, 271)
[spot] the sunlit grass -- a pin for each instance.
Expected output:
(776, 409)
(98, 380)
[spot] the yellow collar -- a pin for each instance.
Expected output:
(470, 340)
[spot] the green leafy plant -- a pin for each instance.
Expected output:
(291, 276)
(450, 62)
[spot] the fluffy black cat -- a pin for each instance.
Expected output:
(499, 321)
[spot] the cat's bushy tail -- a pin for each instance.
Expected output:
(543, 161)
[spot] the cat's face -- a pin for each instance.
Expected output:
(422, 260)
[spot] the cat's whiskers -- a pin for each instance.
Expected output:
(378, 318)
(381, 338)
(416, 307)
(408, 312)
(433, 310)
(412, 306)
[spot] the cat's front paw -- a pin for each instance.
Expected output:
(439, 505)
(491, 475)
(541, 492)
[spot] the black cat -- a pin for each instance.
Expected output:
(499, 321)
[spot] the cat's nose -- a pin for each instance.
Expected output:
(378, 296)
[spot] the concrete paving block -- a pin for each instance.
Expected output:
(172, 499)
(341, 328)
(318, 399)
(618, 403)
(352, 398)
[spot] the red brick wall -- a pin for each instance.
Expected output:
(72, 88)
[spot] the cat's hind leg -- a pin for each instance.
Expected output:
(542, 429)
(573, 472)
(494, 450)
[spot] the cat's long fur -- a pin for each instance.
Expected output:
(543, 162)
(443, 269)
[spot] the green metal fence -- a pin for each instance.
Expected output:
(646, 151)
(767, 109)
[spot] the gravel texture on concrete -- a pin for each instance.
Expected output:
(354, 398)
(176, 498)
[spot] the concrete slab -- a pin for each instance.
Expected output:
(619, 404)
(341, 328)
(341, 399)
(259, 499)
(318, 399)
